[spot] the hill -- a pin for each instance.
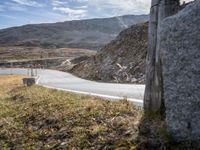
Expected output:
(122, 60)
(88, 34)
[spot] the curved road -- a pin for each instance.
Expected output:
(68, 82)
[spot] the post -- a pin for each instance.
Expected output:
(150, 102)
(153, 99)
(11, 68)
(35, 71)
(32, 73)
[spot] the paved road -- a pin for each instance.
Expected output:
(67, 82)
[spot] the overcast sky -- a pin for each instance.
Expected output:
(20, 12)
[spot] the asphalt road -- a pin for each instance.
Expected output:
(68, 82)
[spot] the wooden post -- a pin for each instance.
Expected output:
(153, 99)
(150, 103)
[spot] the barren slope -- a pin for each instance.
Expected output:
(122, 60)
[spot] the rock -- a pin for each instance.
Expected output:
(122, 60)
(180, 50)
(29, 81)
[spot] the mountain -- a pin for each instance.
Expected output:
(90, 34)
(122, 60)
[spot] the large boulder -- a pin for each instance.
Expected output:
(180, 51)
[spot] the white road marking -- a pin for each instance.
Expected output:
(95, 94)
(69, 83)
(38, 79)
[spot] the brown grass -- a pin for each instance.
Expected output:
(19, 53)
(39, 118)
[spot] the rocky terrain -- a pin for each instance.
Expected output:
(122, 60)
(88, 34)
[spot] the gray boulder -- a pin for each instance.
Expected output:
(180, 52)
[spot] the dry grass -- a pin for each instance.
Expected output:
(19, 53)
(8, 82)
(39, 118)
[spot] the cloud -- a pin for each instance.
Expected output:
(69, 10)
(120, 6)
(117, 7)
(14, 7)
(58, 3)
(72, 13)
(19, 12)
(82, 9)
(72, 9)
(31, 3)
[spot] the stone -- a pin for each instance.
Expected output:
(180, 54)
(29, 81)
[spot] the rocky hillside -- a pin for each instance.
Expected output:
(89, 34)
(122, 60)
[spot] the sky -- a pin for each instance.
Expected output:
(20, 12)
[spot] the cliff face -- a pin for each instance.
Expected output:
(89, 34)
(122, 60)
